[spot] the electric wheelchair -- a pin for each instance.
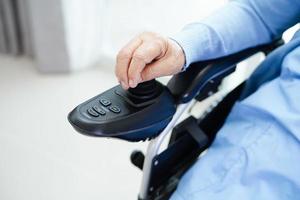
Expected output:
(153, 111)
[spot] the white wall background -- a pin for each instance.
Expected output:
(69, 35)
(125, 19)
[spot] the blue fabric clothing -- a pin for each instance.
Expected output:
(256, 154)
(264, 72)
(236, 26)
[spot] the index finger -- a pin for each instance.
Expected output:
(123, 60)
(143, 55)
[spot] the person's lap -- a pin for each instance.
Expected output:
(256, 154)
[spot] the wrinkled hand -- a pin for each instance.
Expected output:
(148, 56)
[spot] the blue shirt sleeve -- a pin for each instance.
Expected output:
(238, 25)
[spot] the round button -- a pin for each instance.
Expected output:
(105, 102)
(92, 113)
(99, 110)
(114, 109)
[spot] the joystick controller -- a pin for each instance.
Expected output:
(134, 114)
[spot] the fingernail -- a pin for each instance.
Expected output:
(131, 83)
(123, 85)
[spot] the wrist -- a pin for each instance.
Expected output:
(178, 54)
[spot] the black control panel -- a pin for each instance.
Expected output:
(126, 114)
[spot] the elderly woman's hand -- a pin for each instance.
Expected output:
(148, 56)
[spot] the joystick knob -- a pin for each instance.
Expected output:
(146, 90)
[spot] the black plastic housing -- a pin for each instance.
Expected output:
(201, 79)
(137, 119)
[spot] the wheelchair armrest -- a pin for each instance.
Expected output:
(202, 78)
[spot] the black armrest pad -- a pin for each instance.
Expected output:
(200, 77)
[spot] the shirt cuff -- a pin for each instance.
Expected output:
(194, 43)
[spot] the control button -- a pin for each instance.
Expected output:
(99, 110)
(114, 109)
(92, 113)
(105, 102)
